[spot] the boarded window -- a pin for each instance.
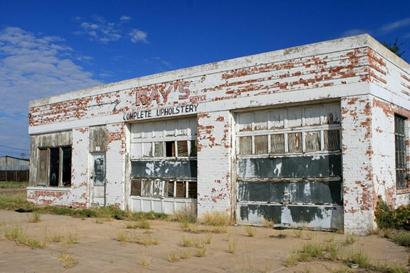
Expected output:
(245, 145)
(158, 149)
(295, 142)
(42, 170)
(192, 190)
(331, 139)
(66, 172)
(170, 148)
(312, 141)
(180, 191)
(193, 148)
(136, 187)
(54, 166)
(182, 148)
(400, 149)
(261, 144)
(278, 143)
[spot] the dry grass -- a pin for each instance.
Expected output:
(186, 215)
(67, 260)
(201, 252)
(250, 231)
(231, 246)
(17, 235)
(177, 256)
(215, 219)
(144, 261)
(71, 239)
(198, 243)
(349, 240)
(141, 224)
(194, 228)
(34, 217)
(133, 238)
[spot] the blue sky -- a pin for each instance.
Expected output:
(50, 47)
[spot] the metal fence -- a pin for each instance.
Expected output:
(19, 176)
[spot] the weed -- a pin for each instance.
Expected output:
(231, 246)
(173, 257)
(201, 252)
(17, 235)
(67, 260)
(267, 223)
(185, 255)
(34, 217)
(187, 242)
(215, 219)
(56, 238)
(250, 231)
(193, 228)
(186, 215)
(132, 238)
(298, 233)
(144, 261)
(349, 240)
(142, 224)
(399, 237)
(278, 236)
(71, 239)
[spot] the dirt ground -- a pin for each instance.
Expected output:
(98, 251)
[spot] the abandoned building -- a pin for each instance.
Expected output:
(309, 136)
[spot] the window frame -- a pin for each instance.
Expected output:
(400, 152)
(60, 166)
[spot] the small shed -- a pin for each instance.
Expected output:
(14, 168)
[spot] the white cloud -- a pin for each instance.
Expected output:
(125, 18)
(138, 36)
(33, 66)
(395, 25)
(100, 30)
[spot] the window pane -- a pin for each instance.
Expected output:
(295, 142)
(182, 148)
(157, 188)
(54, 166)
(159, 149)
(192, 190)
(193, 148)
(400, 147)
(136, 187)
(170, 189)
(66, 166)
(147, 149)
(261, 144)
(245, 145)
(180, 189)
(146, 188)
(278, 143)
(170, 148)
(331, 140)
(312, 141)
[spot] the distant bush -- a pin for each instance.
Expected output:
(387, 217)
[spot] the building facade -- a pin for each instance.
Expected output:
(309, 136)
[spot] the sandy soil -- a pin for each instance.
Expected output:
(98, 251)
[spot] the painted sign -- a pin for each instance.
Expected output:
(161, 112)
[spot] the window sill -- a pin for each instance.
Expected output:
(39, 188)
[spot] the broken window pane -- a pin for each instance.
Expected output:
(157, 188)
(170, 148)
(331, 140)
(245, 145)
(136, 187)
(312, 141)
(192, 190)
(170, 189)
(182, 148)
(261, 144)
(180, 189)
(158, 149)
(66, 172)
(146, 188)
(147, 149)
(54, 166)
(400, 151)
(278, 143)
(193, 148)
(295, 142)
(42, 171)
